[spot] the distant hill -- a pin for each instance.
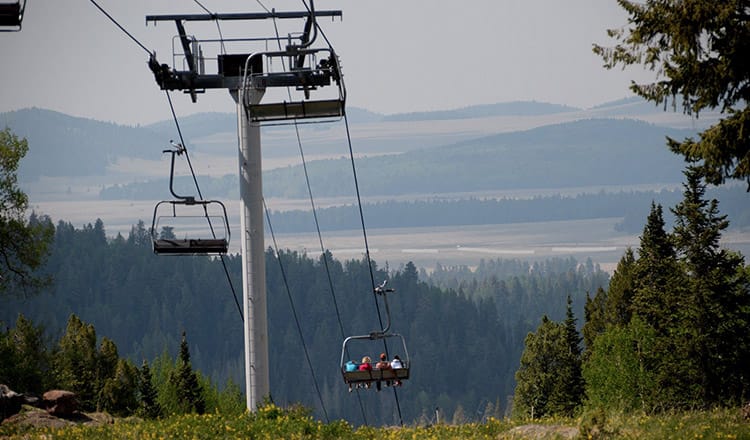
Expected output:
(587, 152)
(581, 153)
(63, 145)
(519, 108)
(197, 125)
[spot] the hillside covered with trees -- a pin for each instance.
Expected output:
(143, 303)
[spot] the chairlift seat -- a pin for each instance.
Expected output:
(353, 377)
(190, 246)
(332, 108)
(10, 14)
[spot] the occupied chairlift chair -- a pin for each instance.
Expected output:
(203, 224)
(375, 375)
(11, 16)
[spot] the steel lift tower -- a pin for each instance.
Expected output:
(300, 70)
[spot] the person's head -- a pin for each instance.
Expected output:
(366, 360)
(382, 356)
(396, 358)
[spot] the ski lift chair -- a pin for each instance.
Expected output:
(11, 16)
(312, 69)
(374, 375)
(186, 226)
(190, 227)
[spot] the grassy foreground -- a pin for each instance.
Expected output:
(272, 422)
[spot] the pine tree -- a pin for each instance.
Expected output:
(76, 362)
(185, 380)
(656, 272)
(549, 379)
(118, 394)
(621, 290)
(659, 301)
(717, 313)
(571, 384)
(148, 399)
(594, 312)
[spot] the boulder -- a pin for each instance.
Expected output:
(36, 419)
(60, 403)
(10, 402)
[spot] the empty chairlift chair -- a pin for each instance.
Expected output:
(11, 16)
(311, 70)
(186, 226)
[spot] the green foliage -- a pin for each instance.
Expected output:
(23, 243)
(118, 395)
(25, 365)
(717, 312)
(617, 371)
(699, 51)
(594, 319)
(185, 382)
(148, 397)
(138, 300)
(76, 362)
(687, 344)
(618, 309)
(548, 379)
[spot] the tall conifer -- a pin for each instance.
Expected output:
(717, 311)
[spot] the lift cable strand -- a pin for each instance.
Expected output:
(367, 249)
(294, 310)
(317, 226)
(218, 26)
(120, 26)
(200, 195)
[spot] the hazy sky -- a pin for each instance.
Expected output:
(398, 56)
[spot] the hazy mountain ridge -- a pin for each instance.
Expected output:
(67, 146)
(64, 145)
(516, 108)
(589, 152)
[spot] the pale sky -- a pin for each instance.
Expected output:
(398, 56)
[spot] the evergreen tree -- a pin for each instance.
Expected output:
(185, 381)
(571, 381)
(621, 291)
(25, 360)
(717, 313)
(118, 394)
(548, 380)
(106, 369)
(76, 362)
(594, 318)
(656, 271)
(148, 399)
(659, 301)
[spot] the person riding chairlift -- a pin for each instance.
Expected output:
(383, 365)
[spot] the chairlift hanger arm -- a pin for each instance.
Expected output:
(242, 16)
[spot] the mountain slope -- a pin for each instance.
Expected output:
(588, 152)
(63, 145)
